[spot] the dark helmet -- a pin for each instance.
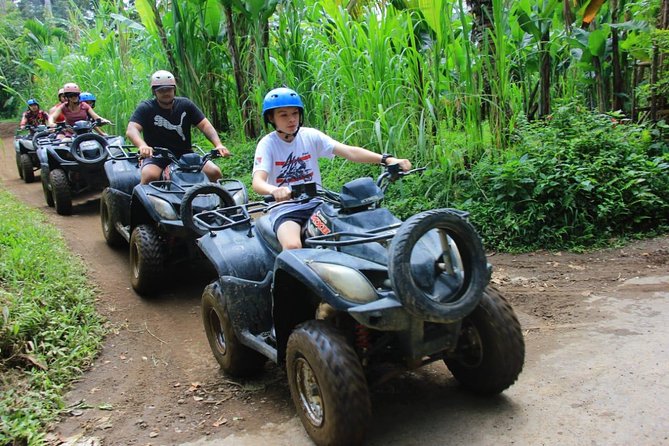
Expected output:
(32, 102)
(281, 97)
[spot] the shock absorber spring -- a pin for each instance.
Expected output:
(362, 342)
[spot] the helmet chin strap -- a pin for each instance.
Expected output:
(290, 136)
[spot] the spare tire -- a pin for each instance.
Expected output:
(86, 155)
(225, 200)
(444, 279)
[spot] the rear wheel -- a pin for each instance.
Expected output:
(44, 176)
(327, 385)
(147, 260)
(28, 174)
(491, 349)
(112, 236)
(60, 191)
(234, 358)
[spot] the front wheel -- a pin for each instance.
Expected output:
(60, 191)
(235, 358)
(28, 172)
(112, 236)
(147, 259)
(491, 349)
(327, 385)
(18, 165)
(48, 197)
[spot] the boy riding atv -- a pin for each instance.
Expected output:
(289, 155)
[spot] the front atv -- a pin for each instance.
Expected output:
(368, 297)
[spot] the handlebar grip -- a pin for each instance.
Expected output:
(268, 198)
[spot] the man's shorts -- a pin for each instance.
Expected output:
(161, 162)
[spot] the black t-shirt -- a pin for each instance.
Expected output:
(168, 128)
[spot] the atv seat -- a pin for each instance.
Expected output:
(264, 227)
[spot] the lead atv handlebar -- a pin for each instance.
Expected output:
(304, 192)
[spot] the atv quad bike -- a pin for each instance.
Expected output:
(26, 156)
(149, 216)
(367, 297)
(72, 166)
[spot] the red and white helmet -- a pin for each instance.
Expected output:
(71, 87)
(162, 78)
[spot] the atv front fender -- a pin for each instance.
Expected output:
(385, 313)
(237, 252)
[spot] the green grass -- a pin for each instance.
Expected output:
(49, 328)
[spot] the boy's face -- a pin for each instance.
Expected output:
(286, 119)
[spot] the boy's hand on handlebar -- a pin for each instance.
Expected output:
(282, 194)
(145, 151)
(405, 164)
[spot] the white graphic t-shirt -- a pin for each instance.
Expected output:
(295, 162)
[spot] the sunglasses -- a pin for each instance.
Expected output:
(71, 95)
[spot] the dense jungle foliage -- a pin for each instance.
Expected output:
(544, 118)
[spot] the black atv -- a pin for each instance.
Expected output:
(367, 297)
(149, 216)
(26, 156)
(74, 165)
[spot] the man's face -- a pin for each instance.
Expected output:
(286, 119)
(61, 97)
(34, 108)
(164, 96)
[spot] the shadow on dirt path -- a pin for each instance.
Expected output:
(595, 373)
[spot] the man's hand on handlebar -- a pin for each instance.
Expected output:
(145, 151)
(223, 151)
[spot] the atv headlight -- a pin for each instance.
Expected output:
(348, 282)
(163, 208)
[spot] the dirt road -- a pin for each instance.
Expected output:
(596, 328)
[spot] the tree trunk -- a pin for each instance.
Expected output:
(618, 90)
(163, 39)
(240, 81)
(545, 74)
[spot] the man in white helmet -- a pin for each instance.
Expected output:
(166, 121)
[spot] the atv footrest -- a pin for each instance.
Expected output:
(260, 343)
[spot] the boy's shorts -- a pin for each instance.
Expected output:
(300, 216)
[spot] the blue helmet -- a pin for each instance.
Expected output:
(86, 96)
(32, 102)
(281, 97)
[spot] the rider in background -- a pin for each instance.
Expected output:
(34, 116)
(74, 110)
(166, 121)
(61, 100)
(289, 155)
(89, 98)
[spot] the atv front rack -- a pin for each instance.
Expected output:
(346, 238)
(224, 218)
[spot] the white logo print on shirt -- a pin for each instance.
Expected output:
(159, 121)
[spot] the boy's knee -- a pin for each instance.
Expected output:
(291, 244)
